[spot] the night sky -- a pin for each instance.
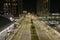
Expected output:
(1, 5)
(29, 5)
(54, 6)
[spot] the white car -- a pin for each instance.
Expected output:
(11, 18)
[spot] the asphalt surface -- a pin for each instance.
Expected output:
(41, 30)
(24, 31)
(44, 32)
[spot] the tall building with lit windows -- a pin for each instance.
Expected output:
(12, 7)
(9, 6)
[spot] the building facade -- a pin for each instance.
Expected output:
(12, 7)
(1, 7)
(42, 7)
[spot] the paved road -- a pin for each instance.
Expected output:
(24, 31)
(43, 32)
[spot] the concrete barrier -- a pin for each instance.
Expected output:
(4, 34)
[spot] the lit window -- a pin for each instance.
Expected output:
(6, 0)
(6, 4)
(14, 0)
(9, 3)
(15, 4)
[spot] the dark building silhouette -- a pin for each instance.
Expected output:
(1, 6)
(42, 8)
(29, 5)
(54, 6)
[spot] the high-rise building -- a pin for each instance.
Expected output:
(20, 6)
(12, 7)
(1, 6)
(9, 6)
(15, 8)
(54, 6)
(42, 7)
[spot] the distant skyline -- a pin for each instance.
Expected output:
(54, 5)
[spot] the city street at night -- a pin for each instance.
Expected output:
(29, 20)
